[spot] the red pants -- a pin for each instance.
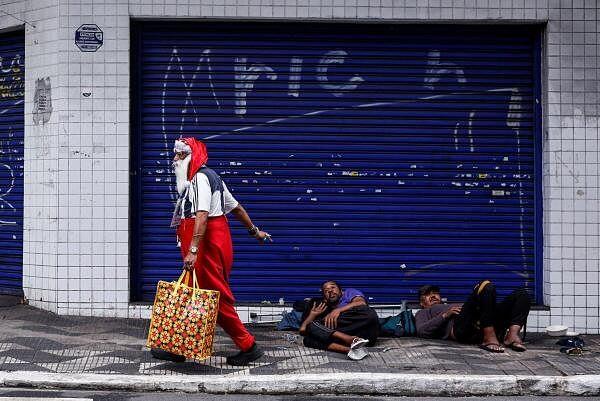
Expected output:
(215, 258)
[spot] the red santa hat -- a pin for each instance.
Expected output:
(198, 151)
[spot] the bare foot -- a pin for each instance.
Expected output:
(492, 347)
(512, 339)
(516, 346)
(515, 343)
(490, 339)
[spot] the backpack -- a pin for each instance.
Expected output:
(400, 325)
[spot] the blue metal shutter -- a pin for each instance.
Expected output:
(12, 92)
(384, 157)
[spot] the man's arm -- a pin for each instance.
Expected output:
(356, 301)
(199, 230)
(315, 311)
(332, 317)
(428, 326)
(242, 216)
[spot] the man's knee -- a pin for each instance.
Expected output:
(486, 287)
(522, 295)
(364, 312)
(372, 317)
(372, 321)
(319, 331)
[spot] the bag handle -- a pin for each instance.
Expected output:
(182, 277)
(179, 282)
(195, 286)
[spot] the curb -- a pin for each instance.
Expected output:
(334, 383)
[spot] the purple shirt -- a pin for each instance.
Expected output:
(348, 295)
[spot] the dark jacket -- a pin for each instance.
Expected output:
(431, 324)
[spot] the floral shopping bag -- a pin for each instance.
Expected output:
(184, 318)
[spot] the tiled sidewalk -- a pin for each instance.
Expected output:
(35, 340)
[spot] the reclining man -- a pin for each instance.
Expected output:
(341, 322)
(480, 320)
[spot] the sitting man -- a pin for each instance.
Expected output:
(341, 322)
(479, 320)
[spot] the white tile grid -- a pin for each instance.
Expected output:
(94, 164)
(350, 9)
(266, 313)
(572, 62)
(40, 192)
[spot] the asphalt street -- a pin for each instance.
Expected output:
(48, 395)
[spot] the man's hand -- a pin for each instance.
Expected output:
(331, 318)
(263, 237)
(316, 310)
(190, 261)
(454, 310)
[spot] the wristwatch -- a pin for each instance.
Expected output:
(194, 249)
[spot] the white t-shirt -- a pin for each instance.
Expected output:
(201, 198)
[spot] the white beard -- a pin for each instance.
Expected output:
(180, 169)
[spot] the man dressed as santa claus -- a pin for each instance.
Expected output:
(206, 246)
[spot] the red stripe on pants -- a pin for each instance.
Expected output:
(215, 258)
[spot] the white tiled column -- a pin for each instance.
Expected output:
(41, 178)
(94, 162)
(571, 198)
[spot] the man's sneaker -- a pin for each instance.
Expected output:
(358, 343)
(166, 356)
(244, 358)
(357, 354)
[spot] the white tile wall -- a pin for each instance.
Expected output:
(76, 231)
(94, 155)
(41, 145)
